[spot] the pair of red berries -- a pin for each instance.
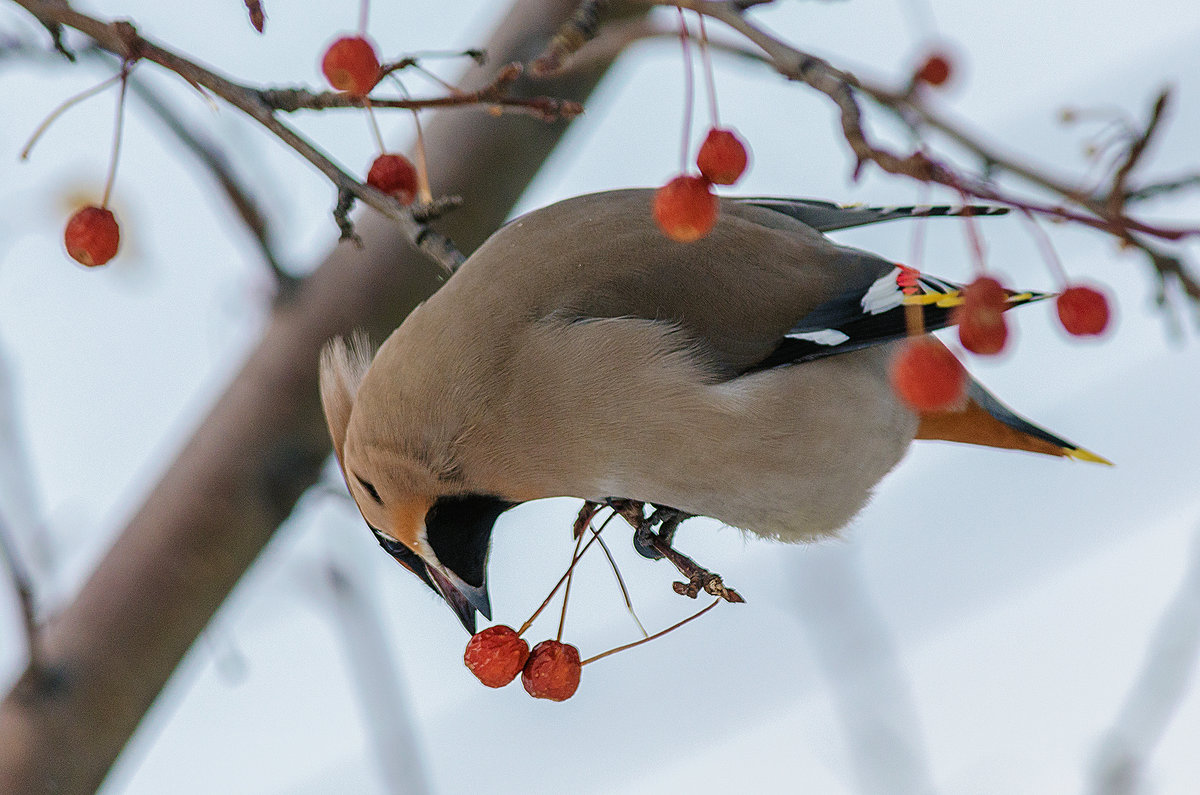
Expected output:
(352, 65)
(497, 654)
(685, 209)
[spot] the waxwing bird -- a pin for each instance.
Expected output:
(580, 352)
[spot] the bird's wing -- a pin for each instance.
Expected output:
(829, 217)
(763, 289)
(860, 318)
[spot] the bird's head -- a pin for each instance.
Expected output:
(409, 493)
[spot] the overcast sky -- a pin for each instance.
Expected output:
(977, 630)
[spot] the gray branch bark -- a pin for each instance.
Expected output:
(107, 655)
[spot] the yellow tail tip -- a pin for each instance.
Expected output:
(1079, 454)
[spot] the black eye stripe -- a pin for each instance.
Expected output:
(370, 489)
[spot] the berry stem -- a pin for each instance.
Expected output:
(116, 145)
(424, 192)
(620, 581)
(374, 124)
(709, 76)
(562, 579)
(63, 108)
(689, 92)
(562, 619)
(450, 87)
(1046, 247)
(671, 628)
(364, 13)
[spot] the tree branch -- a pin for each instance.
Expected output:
(1105, 213)
(122, 39)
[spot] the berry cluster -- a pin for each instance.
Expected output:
(685, 209)
(929, 377)
(350, 64)
(497, 654)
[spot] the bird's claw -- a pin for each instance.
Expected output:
(656, 545)
(708, 582)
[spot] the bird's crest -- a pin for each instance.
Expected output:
(343, 365)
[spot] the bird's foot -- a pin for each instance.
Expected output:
(656, 545)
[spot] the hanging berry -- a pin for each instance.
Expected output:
(351, 65)
(1083, 310)
(685, 209)
(927, 376)
(92, 236)
(722, 157)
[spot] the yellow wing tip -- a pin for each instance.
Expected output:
(1079, 454)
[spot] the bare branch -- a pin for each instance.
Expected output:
(290, 100)
(1081, 205)
(1157, 189)
(122, 39)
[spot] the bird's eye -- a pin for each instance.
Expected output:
(370, 489)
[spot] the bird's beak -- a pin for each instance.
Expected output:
(459, 531)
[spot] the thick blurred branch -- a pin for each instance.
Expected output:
(23, 586)
(1157, 693)
(113, 648)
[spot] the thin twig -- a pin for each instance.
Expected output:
(257, 18)
(562, 619)
(563, 579)
(689, 93)
(66, 105)
(1157, 189)
(671, 628)
(495, 94)
(118, 129)
(239, 194)
(612, 562)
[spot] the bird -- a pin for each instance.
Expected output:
(579, 352)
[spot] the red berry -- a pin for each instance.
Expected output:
(981, 330)
(92, 236)
(1083, 311)
(986, 293)
(350, 65)
(552, 671)
(722, 157)
(935, 71)
(395, 175)
(496, 655)
(927, 376)
(685, 209)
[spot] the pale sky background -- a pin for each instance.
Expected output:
(978, 629)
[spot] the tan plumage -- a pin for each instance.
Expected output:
(579, 352)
